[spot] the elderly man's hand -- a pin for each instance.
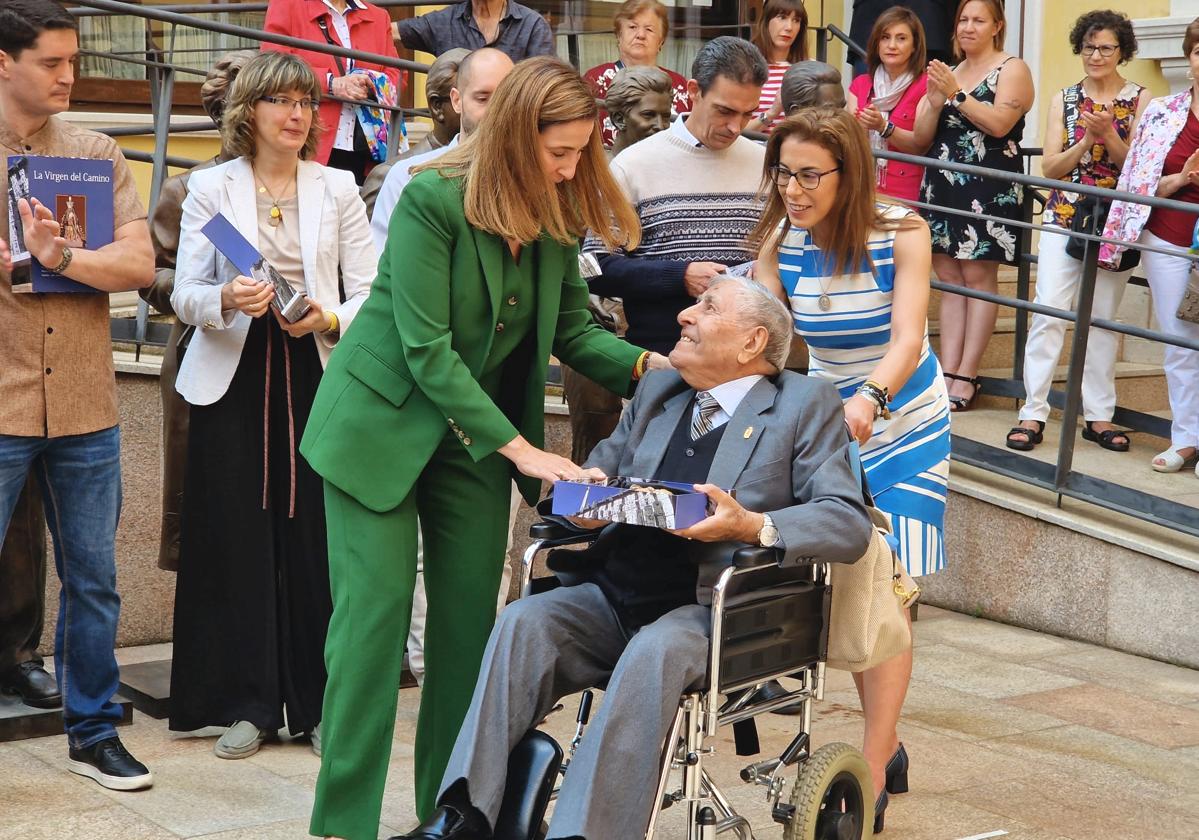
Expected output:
(729, 521)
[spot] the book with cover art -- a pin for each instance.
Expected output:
(289, 303)
(78, 191)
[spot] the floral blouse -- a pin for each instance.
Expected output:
(1094, 167)
(1156, 132)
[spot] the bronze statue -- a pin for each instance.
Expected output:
(810, 84)
(638, 103)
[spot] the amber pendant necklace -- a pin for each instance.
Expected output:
(275, 215)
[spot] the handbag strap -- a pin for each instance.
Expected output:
(323, 23)
(1070, 99)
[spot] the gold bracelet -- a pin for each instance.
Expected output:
(640, 366)
(334, 326)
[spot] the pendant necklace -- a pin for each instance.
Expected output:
(276, 214)
(824, 301)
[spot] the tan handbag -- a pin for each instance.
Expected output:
(1188, 310)
(867, 624)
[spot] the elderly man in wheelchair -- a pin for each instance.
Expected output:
(638, 606)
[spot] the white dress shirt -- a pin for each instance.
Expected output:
(729, 395)
(679, 127)
(393, 185)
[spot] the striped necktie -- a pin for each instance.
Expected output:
(701, 424)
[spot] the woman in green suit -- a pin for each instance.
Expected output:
(434, 401)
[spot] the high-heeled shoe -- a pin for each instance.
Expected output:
(897, 771)
(880, 807)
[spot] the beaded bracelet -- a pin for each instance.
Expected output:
(877, 394)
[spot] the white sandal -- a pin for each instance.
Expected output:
(1173, 462)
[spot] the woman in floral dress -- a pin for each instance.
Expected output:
(973, 114)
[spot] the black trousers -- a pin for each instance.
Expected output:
(23, 578)
(356, 162)
(252, 601)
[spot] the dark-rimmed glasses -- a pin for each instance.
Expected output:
(1105, 50)
(809, 179)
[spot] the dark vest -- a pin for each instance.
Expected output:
(648, 572)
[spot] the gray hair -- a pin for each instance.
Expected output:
(736, 59)
(802, 83)
(758, 307)
(632, 83)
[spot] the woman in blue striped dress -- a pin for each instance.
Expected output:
(855, 274)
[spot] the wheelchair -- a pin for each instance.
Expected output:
(761, 630)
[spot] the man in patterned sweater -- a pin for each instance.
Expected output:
(695, 188)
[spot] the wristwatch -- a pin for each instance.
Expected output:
(65, 262)
(958, 99)
(768, 536)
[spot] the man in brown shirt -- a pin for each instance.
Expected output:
(58, 414)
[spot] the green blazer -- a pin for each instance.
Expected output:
(406, 373)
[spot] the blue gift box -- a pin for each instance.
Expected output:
(632, 501)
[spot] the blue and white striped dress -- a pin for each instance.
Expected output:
(907, 457)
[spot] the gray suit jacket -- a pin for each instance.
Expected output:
(785, 452)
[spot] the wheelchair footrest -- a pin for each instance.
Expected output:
(532, 770)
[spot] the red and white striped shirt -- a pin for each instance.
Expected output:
(770, 92)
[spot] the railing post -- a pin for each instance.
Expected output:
(1023, 282)
(162, 94)
(1078, 355)
(821, 44)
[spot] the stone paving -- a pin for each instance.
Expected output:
(1013, 734)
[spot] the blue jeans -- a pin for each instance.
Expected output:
(80, 477)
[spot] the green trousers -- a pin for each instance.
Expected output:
(463, 508)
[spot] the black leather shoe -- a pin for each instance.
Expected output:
(897, 771)
(35, 687)
(771, 690)
(447, 823)
(111, 766)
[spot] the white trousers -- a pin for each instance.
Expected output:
(1058, 279)
(420, 604)
(1167, 281)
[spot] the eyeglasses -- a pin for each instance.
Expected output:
(1105, 50)
(290, 104)
(808, 179)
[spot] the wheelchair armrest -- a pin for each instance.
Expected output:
(554, 531)
(756, 557)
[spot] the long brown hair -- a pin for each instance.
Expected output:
(892, 17)
(857, 210)
(780, 8)
(995, 8)
(506, 191)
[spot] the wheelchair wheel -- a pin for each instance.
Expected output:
(831, 797)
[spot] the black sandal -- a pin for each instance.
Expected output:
(1033, 437)
(1107, 438)
(963, 403)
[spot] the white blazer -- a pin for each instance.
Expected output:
(334, 232)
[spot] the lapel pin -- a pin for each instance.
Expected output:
(749, 430)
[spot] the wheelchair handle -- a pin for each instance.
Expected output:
(585, 708)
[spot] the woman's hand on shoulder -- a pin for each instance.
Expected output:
(859, 417)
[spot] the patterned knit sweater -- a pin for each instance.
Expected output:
(696, 205)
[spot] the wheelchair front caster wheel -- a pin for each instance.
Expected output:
(831, 797)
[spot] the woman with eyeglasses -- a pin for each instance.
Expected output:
(252, 600)
(855, 274)
(1086, 142)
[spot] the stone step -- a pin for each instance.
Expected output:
(1138, 386)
